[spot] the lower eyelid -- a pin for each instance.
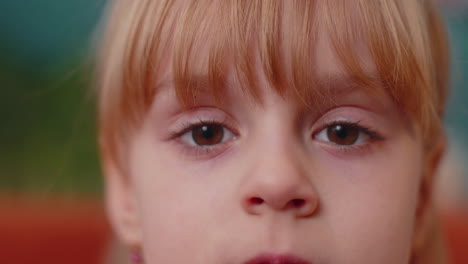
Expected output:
(202, 152)
(346, 152)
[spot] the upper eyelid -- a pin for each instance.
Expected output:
(203, 113)
(346, 113)
(363, 128)
(213, 115)
(337, 122)
(186, 127)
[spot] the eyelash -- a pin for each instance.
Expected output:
(345, 149)
(203, 151)
(368, 130)
(199, 151)
(185, 127)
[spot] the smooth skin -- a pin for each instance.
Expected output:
(274, 177)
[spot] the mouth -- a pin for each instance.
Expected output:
(276, 259)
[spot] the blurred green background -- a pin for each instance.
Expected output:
(47, 102)
(47, 110)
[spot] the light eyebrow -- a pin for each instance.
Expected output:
(327, 89)
(339, 84)
(196, 88)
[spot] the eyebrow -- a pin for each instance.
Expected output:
(329, 86)
(198, 83)
(340, 83)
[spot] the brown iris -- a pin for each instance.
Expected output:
(343, 134)
(208, 134)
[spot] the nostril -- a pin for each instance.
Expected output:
(298, 202)
(256, 200)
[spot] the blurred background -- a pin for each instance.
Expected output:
(50, 182)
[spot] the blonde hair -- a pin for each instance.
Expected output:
(406, 40)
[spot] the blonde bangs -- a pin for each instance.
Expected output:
(409, 49)
(405, 39)
(233, 32)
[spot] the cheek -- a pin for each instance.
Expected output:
(367, 206)
(176, 205)
(372, 202)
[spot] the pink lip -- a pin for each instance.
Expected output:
(276, 259)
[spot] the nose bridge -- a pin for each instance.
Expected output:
(278, 179)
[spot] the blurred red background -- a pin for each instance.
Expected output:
(53, 231)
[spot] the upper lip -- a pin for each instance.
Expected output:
(276, 259)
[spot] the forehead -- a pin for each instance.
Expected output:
(327, 71)
(293, 45)
(294, 56)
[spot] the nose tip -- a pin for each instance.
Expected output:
(303, 206)
(280, 181)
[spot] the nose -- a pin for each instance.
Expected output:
(279, 183)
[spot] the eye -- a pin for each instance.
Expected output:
(207, 134)
(345, 134)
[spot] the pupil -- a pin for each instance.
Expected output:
(340, 131)
(342, 134)
(207, 132)
(206, 135)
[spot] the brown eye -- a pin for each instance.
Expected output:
(208, 134)
(342, 134)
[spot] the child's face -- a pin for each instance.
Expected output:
(225, 183)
